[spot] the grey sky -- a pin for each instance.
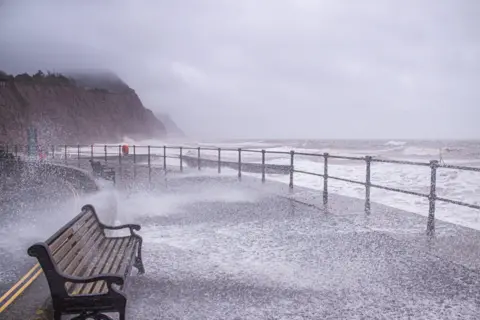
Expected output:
(270, 68)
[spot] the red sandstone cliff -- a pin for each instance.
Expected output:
(64, 111)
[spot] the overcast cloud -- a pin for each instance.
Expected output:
(270, 68)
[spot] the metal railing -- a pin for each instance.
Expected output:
(67, 153)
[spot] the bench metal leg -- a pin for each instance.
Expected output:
(139, 265)
(138, 259)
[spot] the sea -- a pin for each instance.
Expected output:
(455, 184)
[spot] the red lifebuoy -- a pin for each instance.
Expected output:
(125, 149)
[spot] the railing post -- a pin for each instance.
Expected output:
(120, 161)
(91, 151)
(239, 163)
(181, 159)
(263, 166)
(53, 151)
(16, 151)
(292, 156)
(368, 162)
(219, 160)
(65, 154)
(432, 198)
(325, 179)
(134, 163)
(105, 148)
(198, 158)
(6, 148)
(78, 155)
(165, 158)
(149, 167)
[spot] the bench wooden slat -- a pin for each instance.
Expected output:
(79, 268)
(126, 246)
(99, 286)
(76, 250)
(128, 255)
(96, 270)
(57, 243)
(115, 265)
(85, 254)
(90, 266)
(61, 240)
(71, 241)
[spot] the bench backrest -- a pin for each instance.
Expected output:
(75, 241)
(68, 249)
(96, 166)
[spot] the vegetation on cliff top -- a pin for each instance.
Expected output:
(40, 77)
(98, 81)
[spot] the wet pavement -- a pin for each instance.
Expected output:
(248, 254)
(216, 248)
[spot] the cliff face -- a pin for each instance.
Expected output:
(65, 112)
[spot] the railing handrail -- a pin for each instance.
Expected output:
(433, 164)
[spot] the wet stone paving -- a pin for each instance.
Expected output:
(216, 249)
(258, 256)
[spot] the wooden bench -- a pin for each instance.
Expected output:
(102, 170)
(7, 162)
(87, 270)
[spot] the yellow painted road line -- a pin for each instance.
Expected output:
(20, 290)
(19, 282)
(28, 274)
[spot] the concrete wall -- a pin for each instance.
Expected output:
(79, 179)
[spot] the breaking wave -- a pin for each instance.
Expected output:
(395, 143)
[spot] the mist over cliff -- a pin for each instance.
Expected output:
(173, 131)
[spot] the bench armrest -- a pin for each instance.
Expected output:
(108, 278)
(129, 226)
